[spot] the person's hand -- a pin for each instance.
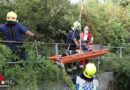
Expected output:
(36, 37)
(86, 41)
(78, 46)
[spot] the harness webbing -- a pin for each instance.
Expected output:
(11, 31)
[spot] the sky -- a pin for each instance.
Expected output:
(74, 1)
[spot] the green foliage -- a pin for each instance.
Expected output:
(5, 56)
(46, 18)
(52, 19)
(121, 69)
(124, 3)
(31, 74)
(109, 21)
(122, 74)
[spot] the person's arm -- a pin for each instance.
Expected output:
(23, 30)
(90, 38)
(0, 28)
(30, 33)
(76, 42)
(79, 42)
(91, 41)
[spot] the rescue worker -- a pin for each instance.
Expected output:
(13, 31)
(87, 41)
(73, 44)
(86, 81)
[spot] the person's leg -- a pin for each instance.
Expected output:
(69, 68)
(87, 61)
(21, 53)
(81, 66)
(74, 68)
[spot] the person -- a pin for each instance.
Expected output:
(13, 31)
(86, 80)
(87, 41)
(2, 82)
(73, 38)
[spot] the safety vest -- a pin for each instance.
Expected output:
(87, 37)
(82, 84)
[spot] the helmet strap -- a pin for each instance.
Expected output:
(85, 78)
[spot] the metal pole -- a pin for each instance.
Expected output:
(98, 63)
(56, 49)
(56, 52)
(120, 52)
(80, 22)
(36, 47)
(80, 33)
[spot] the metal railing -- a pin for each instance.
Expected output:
(56, 49)
(57, 45)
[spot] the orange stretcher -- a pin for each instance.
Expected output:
(79, 56)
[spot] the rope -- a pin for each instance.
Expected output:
(87, 16)
(89, 20)
(79, 20)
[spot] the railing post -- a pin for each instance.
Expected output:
(98, 63)
(120, 52)
(56, 49)
(56, 52)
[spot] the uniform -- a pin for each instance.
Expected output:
(83, 83)
(13, 32)
(87, 38)
(73, 34)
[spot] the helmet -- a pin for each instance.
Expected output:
(11, 16)
(90, 70)
(76, 25)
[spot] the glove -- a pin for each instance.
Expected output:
(36, 37)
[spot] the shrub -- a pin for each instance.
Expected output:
(122, 74)
(31, 74)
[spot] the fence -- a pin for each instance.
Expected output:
(119, 52)
(52, 49)
(120, 48)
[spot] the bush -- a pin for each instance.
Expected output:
(31, 74)
(122, 74)
(121, 69)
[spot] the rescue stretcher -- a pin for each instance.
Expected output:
(79, 56)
